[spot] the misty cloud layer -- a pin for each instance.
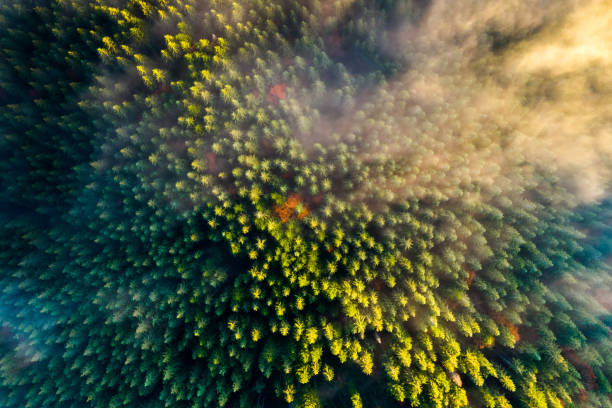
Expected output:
(493, 90)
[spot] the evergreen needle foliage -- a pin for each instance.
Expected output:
(212, 203)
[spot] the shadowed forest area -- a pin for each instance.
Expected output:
(318, 203)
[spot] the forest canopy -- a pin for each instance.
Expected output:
(319, 203)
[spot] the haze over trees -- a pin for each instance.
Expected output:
(321, 203)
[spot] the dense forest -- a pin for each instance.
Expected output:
(303, 203)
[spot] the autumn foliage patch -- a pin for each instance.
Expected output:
(287, 210)
(276, 93)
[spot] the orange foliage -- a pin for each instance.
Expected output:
(276, 93)
(585, 369)
(514, 331)
(303, 213)
(471, 276)
(505, 322)
(287, 210)
(482, 345)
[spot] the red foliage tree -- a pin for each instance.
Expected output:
(276, 93)
(287, 210)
